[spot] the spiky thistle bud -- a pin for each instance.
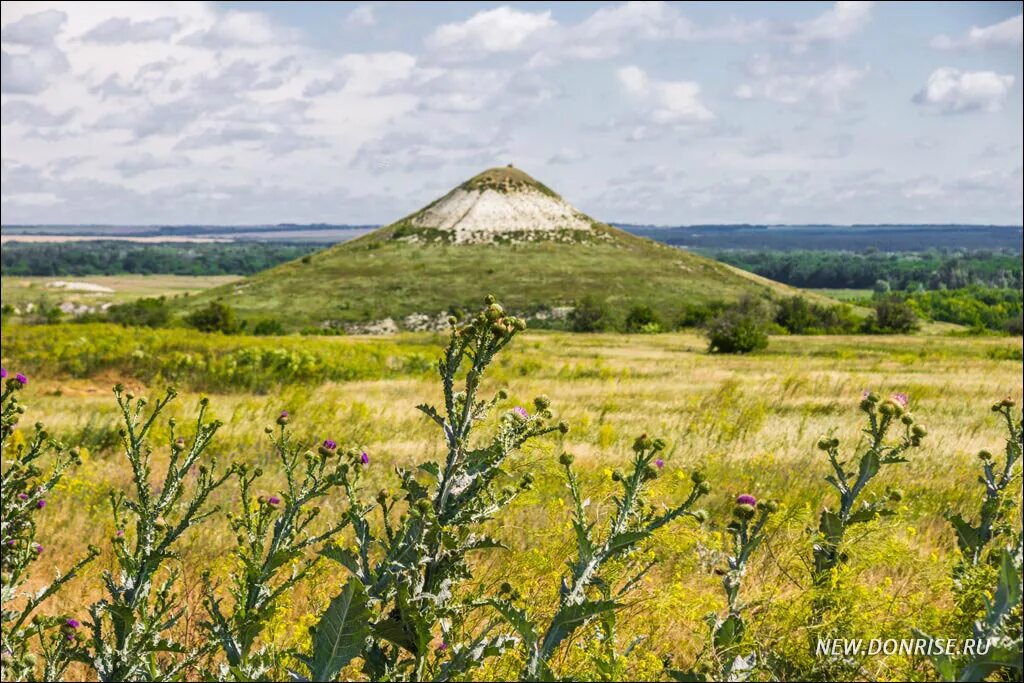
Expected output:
(743, 511)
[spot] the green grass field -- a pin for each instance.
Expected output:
(750, 422)
(844, 294)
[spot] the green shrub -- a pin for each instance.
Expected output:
(797, 315)
(268, 327)
(892, 316)
(214, 317)
(145, 312)
(739, 329)
(591, 315)
(642, 318)
(698, 315)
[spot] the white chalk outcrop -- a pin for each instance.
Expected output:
(501, 202)
(480, 215)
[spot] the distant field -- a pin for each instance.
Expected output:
(18, 291)
(56, 239)
(844, 294)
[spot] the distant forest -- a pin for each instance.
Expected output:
(121, 257)
(858, 238)
(929, 270)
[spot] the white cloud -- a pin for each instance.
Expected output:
(610, 30)
(38, 29)
(33, 115)
(796, 82)
(566, 155)
(139, 163)
(362, 16)
(242, 29)
(119, 30)
(614, 30)
(365, 73)
(30, 73)
(668, 102)
(1004, 34)
(839, 23)
(952, 91)
(30, 67)
(502, 29)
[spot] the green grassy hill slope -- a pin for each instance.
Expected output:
(405, 269)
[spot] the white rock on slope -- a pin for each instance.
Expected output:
(475, 215)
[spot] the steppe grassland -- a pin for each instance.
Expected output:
(749, 422)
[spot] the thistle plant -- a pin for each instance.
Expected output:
(405, 589)
(275, 534)
(727, 662)
(585, 592)
(999, 628)
(23, 497)
(890, 415)
(993, 517)
(981, 566)
(129, 628)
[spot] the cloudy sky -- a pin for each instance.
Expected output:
(242, 113)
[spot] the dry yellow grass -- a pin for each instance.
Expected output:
(750, 422)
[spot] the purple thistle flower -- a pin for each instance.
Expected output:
(41, 504)
(864, 394)
(73, 623)
(442, 647)
(284, 413)
(329, 444)
(900, 399)
(10, 541)
(364, 458)
(746, 499)
(521, 411)
(38, 547)
(119, 533)
(274, 500)
(659, 463)
(3, 373)
(22, 379)
(22, 496)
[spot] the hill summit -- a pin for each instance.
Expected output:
(501, 232)
(497, 205)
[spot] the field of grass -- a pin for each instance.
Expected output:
(18, 291)
(750, 423)
(844, 294)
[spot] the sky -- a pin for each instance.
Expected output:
(654, 113)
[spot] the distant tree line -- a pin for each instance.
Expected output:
(889, 271)
(744, 325)
(888, 238)
(133, 258)
(977, 307)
